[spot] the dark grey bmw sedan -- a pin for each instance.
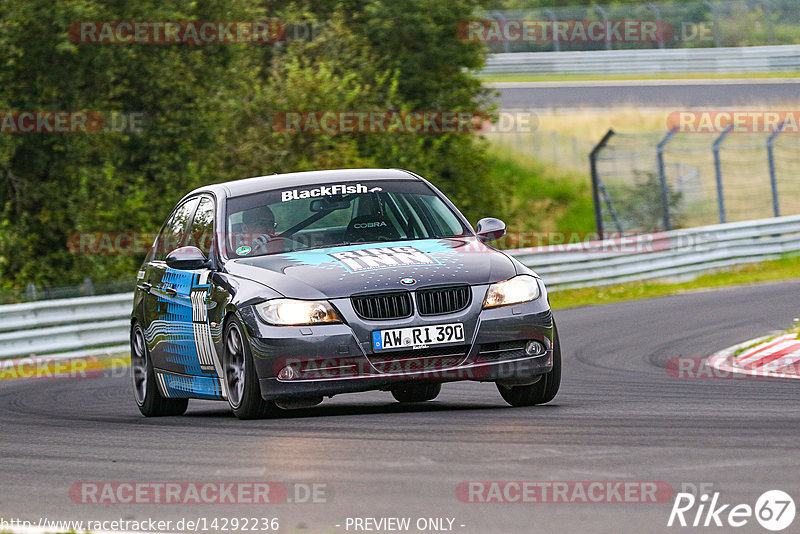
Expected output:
(274, 292)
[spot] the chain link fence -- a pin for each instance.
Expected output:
(692, 24)
(567, 152)
(662, 181)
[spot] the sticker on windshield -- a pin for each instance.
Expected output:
(328, 190)
(244, 250)
(382, 258)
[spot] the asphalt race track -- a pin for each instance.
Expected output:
(619, 416)
(649, 93)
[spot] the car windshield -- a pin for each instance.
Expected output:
(327, 215)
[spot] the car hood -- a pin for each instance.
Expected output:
(368, 267)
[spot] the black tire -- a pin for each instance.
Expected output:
(416, 392)
(542, 391)
(241, 379)
(145, 390)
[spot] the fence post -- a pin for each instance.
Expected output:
(718, 173)
(662, 175)
(603, 13)
(657, 12)
(598, 215)
(553, 19)
(499, 16)
(88, 286)
(773, 178)
(714, 23)
(767, 5)
(30, 291)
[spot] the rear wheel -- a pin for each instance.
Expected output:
(244, 392)
(145, 390)
(542, 391)
(416, 392)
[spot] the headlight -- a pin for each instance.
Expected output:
(522, 288)
(290, 312)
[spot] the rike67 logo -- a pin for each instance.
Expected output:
(774, 510)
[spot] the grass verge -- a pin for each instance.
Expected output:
(786, 268)
(591, 124)
(540, 198)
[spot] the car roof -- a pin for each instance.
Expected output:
(248, 186)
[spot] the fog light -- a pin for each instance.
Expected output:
(287, 373)
(534, 348)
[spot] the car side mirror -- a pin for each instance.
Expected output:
(187, 259)
(491, 229)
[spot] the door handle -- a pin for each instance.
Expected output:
(169, 290)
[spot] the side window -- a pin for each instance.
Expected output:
(202, 234)
(175, 230)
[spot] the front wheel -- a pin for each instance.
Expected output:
(145, 390)
(542, 391)
(244, 392)
(416, 392)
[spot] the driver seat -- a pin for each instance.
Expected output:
(371, 228)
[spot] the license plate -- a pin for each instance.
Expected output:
(417, 336)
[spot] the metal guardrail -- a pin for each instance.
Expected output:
(651, 61)
(682, 23)
(677, 253)
(64, 311)
(97, 325)
(83, 326)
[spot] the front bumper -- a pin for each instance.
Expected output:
(330, 359)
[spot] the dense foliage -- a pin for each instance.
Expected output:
(209, 112)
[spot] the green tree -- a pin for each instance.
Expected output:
(210, 111)
(54, 185)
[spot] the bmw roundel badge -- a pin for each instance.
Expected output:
(408, 281)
